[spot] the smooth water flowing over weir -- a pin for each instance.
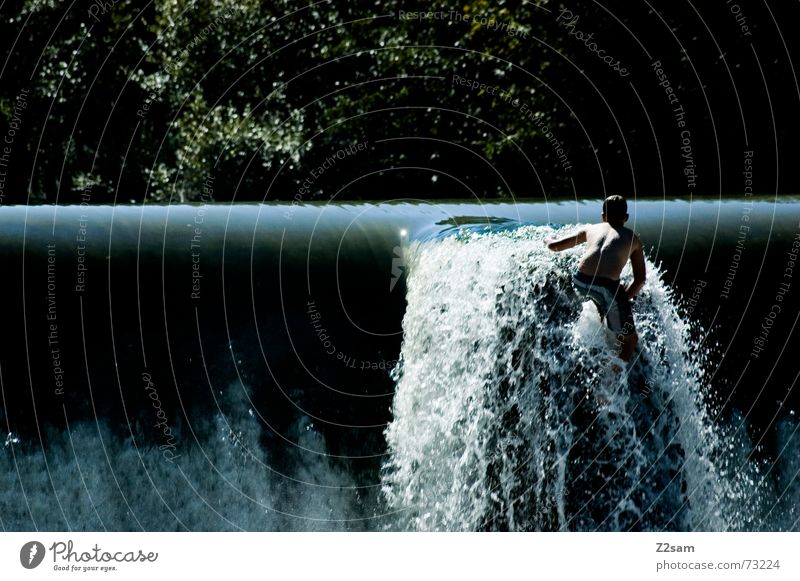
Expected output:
(390, 367)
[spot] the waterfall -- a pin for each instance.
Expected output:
(512, 413)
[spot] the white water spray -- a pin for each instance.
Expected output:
(222, 479)
(508, 414)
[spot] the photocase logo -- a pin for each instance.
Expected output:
(31, 554)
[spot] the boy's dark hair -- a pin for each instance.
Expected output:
(616, 209)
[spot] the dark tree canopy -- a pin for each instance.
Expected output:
(117, 101)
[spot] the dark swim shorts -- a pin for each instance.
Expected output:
(610, 298)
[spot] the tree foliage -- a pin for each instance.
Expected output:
(153, 101)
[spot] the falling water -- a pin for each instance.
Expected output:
(511, 412)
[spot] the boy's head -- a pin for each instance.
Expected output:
(615, 210)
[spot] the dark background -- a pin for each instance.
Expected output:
(258, 96)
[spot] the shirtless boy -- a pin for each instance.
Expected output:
(609, 246)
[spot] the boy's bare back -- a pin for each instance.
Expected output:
(608, 249)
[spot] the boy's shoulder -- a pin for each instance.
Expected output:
(606, 225)
(629, 234)
(634, 237)
(627, 231)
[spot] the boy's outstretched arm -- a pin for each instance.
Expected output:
(639, 270)
(568, 242)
